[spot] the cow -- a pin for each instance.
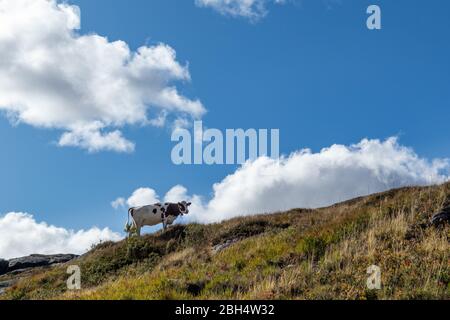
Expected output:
(155, 214)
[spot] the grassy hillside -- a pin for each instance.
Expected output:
(300, 254)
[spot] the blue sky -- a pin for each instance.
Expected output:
(311, 69)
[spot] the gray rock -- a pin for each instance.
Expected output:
(5, 285)
(223, 246)
(3, 266)
(18, 271)
(38, 260)
(441, 218)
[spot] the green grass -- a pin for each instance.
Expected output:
(300, 254)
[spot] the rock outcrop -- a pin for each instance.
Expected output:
(5, 285)
(441, 218)
(220, 247)
(33, 261)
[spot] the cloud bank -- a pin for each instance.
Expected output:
(250, 9)
(310, 180)
(85, 85)
(22, 235)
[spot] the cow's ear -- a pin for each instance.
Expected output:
(189, 203)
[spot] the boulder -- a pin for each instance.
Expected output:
(5, 285)
(220, 247)
(38, 260)
(441, 218)
(3, 266)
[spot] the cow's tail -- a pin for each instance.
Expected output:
(130, 213)
(129, 226)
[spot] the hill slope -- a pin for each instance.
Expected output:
(300, 254)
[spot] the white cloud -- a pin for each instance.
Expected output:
(53, 77)
(140, 197)
(21, 235)
(119, 203)
(91, 138)
(176, 194)
(311, 180)
(147, 196)
(251, 9)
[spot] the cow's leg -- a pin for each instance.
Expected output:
(138, 230)
(164, 220)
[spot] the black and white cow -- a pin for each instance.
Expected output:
(153, 215)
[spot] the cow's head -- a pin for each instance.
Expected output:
(184, 207)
